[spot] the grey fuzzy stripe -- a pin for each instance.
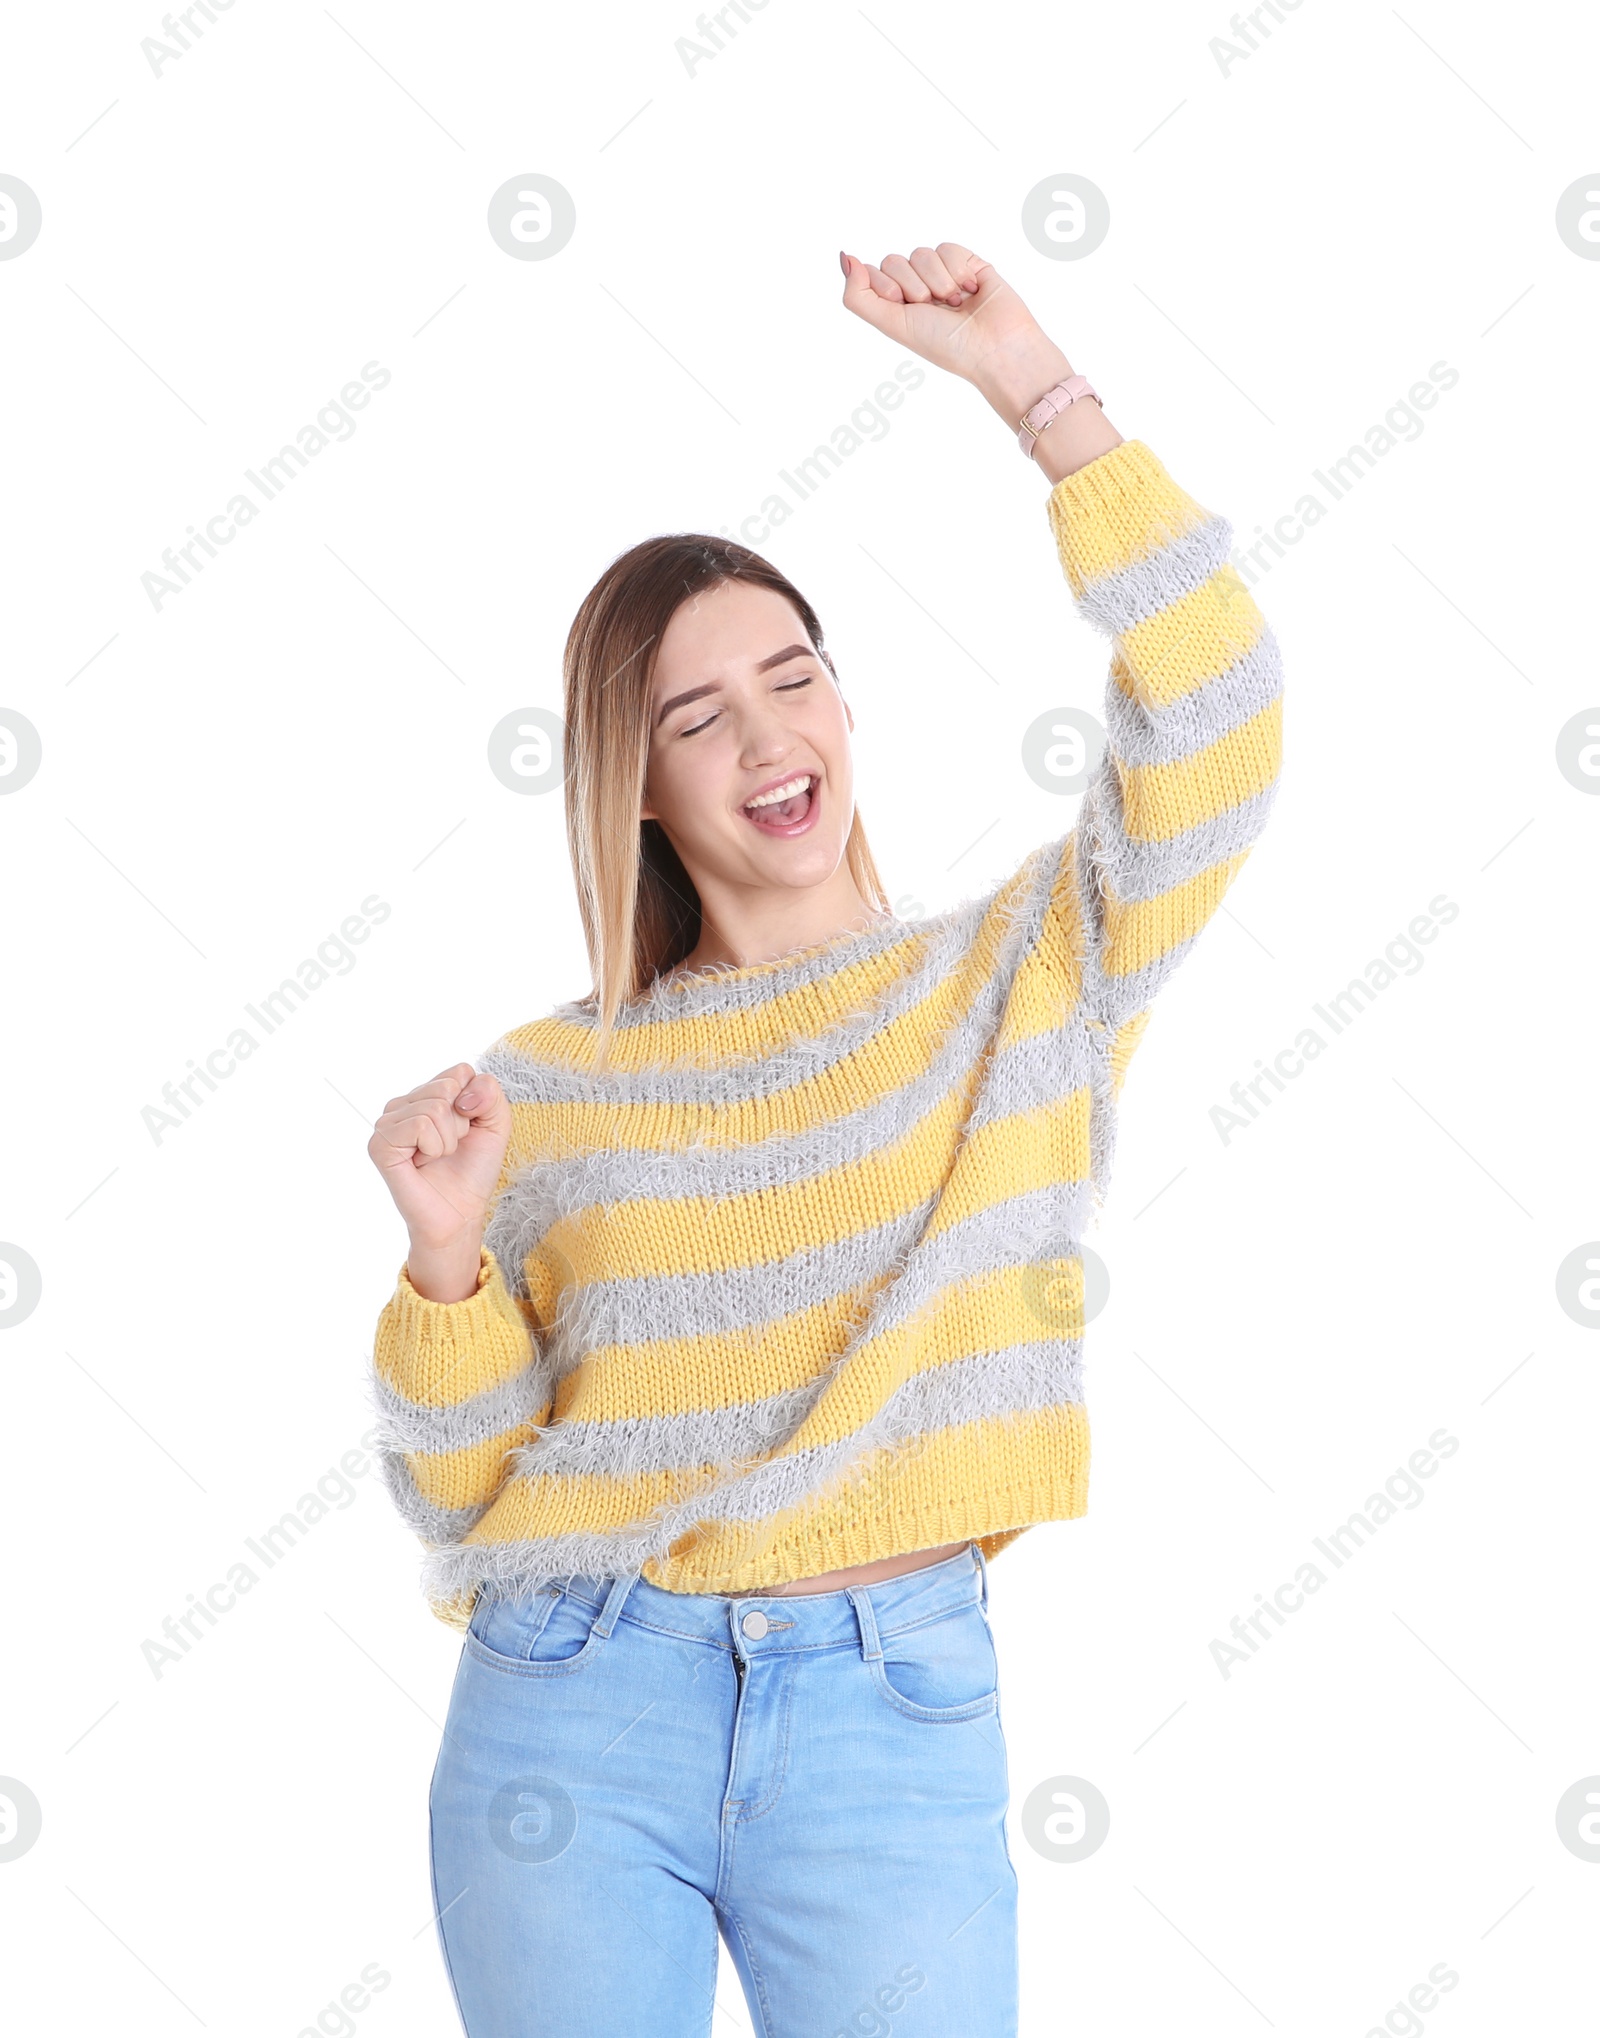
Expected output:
(936, 950)
(413, 1426)
(539, 1195)
(712, 991)
(1018, 1232)
(1168, 735)
(745, 1299)
(1042, 1069)
(749, 1484)
(1141, 871)
(667, 1306)
(1118, 602)
(1039, 1070)
(984, 1386)
(1025, 1375)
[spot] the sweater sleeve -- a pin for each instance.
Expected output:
(457, 1386)
(1193, 727)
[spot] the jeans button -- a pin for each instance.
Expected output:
(755, 1624)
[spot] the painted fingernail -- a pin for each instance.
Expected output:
(844, 261)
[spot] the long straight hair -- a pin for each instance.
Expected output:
(641, 913)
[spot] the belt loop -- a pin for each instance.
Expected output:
(609, 1614)
(860, 1597)
(983, 1575)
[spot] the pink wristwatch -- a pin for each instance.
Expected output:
(1050, 406)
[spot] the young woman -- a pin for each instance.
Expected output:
(741, 1321)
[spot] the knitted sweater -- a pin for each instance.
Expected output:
(796, 1283)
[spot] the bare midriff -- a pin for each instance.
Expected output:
(856, 1574)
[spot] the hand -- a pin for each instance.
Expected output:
(957, 311)
(954, 309)
(440, 1148)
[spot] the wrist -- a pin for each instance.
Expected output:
(1014, 379)
(447, 1271)
(1012, 382)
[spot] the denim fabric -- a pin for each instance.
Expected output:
(626, 1771)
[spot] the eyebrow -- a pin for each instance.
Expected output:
(696, 693)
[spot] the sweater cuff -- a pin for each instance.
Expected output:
(449, 1350)
(1118, 509)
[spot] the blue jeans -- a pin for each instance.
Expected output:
(626, 1770)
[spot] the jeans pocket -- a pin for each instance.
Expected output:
(942, 1670)
(536, 1634)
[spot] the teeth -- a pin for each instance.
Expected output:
(786, 791)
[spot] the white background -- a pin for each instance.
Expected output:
(1293, 1311)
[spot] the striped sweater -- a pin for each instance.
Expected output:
(796, 1283)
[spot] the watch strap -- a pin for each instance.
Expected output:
(1050, 406)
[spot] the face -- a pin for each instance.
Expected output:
(740, 705)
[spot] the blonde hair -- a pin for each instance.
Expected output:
(640, 911)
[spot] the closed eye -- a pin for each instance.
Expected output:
(788, 686)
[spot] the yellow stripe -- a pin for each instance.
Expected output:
(465, 1478)
(712, 1370)
(730, 1038)
(1139, 933)
(1162, 800)
(1033, 1149)
(1012, 1305)
(1018, 1305)
(1123, 507)
(443, 1373)
(1128, 1036)
(713, 1039)
(549, 1506)
(998, 1453)
(1194, 639)
(1046, 989)
(974, 1477)
(656, 1236)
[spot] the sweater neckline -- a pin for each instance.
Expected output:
(839, 946)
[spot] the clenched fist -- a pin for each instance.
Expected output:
(957, 311)
(948, 305)
(440, 1149)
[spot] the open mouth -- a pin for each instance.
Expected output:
(787, 808)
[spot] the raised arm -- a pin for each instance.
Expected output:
(1193, 730)
(1193, 695)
